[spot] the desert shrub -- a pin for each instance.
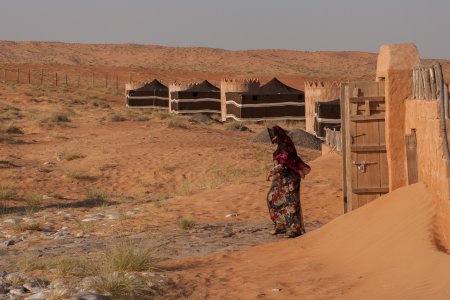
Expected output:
(73, 155)
(130, 256)
(23, 226)
(122, 286)
(186, 188)
(7, 192)
(58, 117)
(13, 130)
(99, 196)
(177, 123)
(117, 118)
(186, 223)
(33, 204)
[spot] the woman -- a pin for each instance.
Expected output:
(283, 198)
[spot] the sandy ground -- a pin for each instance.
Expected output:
(112, 173)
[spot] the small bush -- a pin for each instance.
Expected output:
(122, 286)
(21, 227)
(177, 123)
(76, 174)
(73, 156)
(186, 224)
(59, 117)
(7, 192)
(85, 227)
(117, 118)
(99, 196)
(130, 256)
(33, 204)
(14, 130)
(185, 189)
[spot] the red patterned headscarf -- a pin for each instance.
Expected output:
(286, 153)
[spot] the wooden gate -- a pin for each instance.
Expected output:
(364, 143)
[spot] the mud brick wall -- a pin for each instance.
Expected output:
(425, 117)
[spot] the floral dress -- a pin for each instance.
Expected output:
(283, 200)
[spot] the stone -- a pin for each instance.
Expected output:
(89, 220)
(57, 284)
(114, 216)
(10, 221)
(18, 292)
(3, 273)
(38, 296)
(8, 243)
(89, 296)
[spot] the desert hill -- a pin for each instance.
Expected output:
(355, 64)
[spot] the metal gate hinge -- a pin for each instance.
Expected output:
(362, 165)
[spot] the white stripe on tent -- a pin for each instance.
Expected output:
(265, 104)
(159, 107)
(147, 97)
(267, 118)
(197, 100)
(196, 111)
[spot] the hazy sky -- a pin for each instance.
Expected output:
(246, 24)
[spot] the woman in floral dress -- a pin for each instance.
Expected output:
(283, 198)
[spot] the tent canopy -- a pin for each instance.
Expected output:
(274, 86)
(155, 85)
(204, 86)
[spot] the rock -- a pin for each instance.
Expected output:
(8, 243)
(16, 278)
(45, 197)
(89, 220)
(88, 296)
(18, 292)
(114, 216)
(62, 235)
(3, 273)
(232, 215)
(64, 228)
(276, 290)
(10, 221)
(3, 289)
(60, 156)
(129, 213)
(201, 118)
(43, 295)
(57, 284)
(228, 232)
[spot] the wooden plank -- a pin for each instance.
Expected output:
(344, 148)
(371, 190)
(367, 108)
(355, 118)
(367, 98)
(368, 148)
(411, 157)
(352, 203)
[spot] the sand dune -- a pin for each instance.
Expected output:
(381, 251)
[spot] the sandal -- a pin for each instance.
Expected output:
(276, 231)
(291, 234)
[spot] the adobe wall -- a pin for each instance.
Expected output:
(235, 85)
(424, 116)
(175, 87)
(318, 91)
(394, 66)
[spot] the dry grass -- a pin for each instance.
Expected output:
(73, 155)
(76, 174)
(186, 188)
(186, 223)
(177, 123)
(85, 227)
(101, 197)
(7, 192)
(117, 118)
(33, 204)
(122, 286)
(129, 256)
(23, 226)
(58, 294)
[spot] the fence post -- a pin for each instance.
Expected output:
(106, 80)
(29, 76)
(66, 79)
(56, 79)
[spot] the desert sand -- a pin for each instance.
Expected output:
(90, 172)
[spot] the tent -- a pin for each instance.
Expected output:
(198, 98)
(152, 94)
(272, 101)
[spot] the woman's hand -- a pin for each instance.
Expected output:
(269, 174)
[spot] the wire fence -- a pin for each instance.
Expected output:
(72, 79)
